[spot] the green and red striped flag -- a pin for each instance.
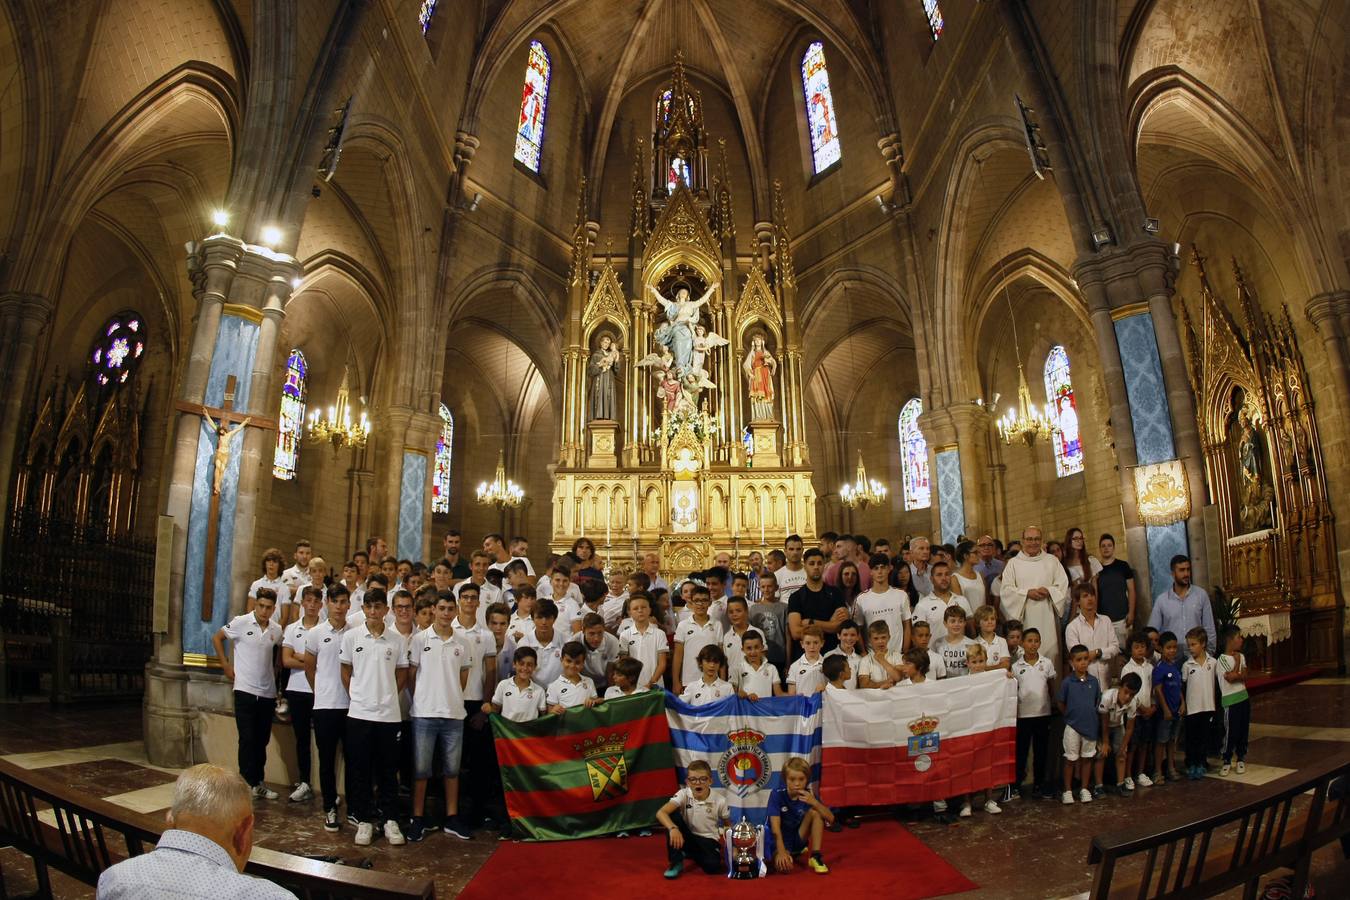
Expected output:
(589, 771)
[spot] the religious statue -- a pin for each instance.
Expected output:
(704, 342)
(1254, 496)
(223, 440)
(603, 372)
(760, 367)
(677, 332)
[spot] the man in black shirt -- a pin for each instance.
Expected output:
(815, 603)
(1115, 590)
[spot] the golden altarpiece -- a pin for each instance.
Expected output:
(682, 406)
(1264, 468)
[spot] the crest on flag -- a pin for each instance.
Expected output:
(924, 737)
(744, 767)
(605, 764)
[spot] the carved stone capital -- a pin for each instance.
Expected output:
(1327, 309)
(33, 310)
(1120, 276)
(466, 145)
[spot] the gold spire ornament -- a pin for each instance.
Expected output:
(337, 428)
(863, 491)
(502, 492)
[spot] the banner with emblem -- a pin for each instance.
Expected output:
(746, 742)
(922, 742)
(589, 771)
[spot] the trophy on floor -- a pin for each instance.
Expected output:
(745, 850)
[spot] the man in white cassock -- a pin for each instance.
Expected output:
(1035, 590)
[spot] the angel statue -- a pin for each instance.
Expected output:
(662, 366)
(224, 438)
(603, 372)
(704, 343)
(760, 367)
(677, 332)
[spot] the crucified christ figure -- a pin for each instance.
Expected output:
(224, 438)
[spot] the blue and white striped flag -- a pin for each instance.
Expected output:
(746, 742)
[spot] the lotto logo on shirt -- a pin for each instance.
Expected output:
(744, 767)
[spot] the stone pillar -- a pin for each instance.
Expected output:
(1329, 313)
(22, 317)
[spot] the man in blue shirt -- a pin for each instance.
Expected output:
(1183, 606)
(205, 849)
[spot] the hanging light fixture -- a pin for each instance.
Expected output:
(863, 490)
(337, 428)
(501, 492)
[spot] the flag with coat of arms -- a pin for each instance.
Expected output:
(746, 742)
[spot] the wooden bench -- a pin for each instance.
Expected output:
(1195, 859)
(90, 835)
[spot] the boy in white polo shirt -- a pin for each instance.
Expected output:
(694, 633)
(298, 691)
(374, 672)
(323, 670)
(441, 663)
(547, 642)
(520, 698)
(644, 641)
(255, 638)
(571, 688)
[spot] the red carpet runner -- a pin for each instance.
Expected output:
(882, 856)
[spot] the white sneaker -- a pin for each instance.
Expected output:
(1241, 767)
(1085, 796)
(263, 792)
(301, 793)
(965, 811)
(393, 834)
(992, 807)
(1225, 769)
(939, 806)
(365, 833)
(1128, 783)
(1143, 780)
(1067, 798)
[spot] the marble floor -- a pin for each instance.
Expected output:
(1034, 849)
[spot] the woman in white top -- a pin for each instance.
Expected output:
(969, 583)
(1080, 567)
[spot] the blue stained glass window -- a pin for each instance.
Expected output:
(914, 457)
(291, 418)
(116, 353)
(822, 125)
(933, 11)
(1064, 411)
(533, 107)
(424, 14)
(440, 479)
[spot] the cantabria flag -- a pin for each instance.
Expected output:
(921, 742)
(746, 743)
(588, 771)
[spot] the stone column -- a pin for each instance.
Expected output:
(1329, 313)
(22, 317)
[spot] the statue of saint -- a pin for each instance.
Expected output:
(677, 332)
(1254, 495)
(760, 367)
(223, 440)
(603, 373)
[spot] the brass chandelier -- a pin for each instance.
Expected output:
(863, 490)
(337, 428)
(502, 492)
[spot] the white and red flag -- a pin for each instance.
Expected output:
(920, 742)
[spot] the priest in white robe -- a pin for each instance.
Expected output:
(1035, 591)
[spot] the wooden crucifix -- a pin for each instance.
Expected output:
(220, 419)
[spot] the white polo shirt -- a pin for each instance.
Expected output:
(995, 651)
(874, 670)
(611, 610)
(933, 609)
(549, 665)
(890, 606)
(598, 660)
(295, 578)
(519, 704)
(1033, 687)
(488, 594)
(805, 674)
(501, 567)
(644, 646)
(731, 645)
(750, 680)
(704, 817)
(519, 625)
(254, 652)
(324, 644)
(283, 591)
(482, 646)
(438, 661)
(854, 664)
(614, 691)
(294, 638)
(562, 692)
(374, 660)
(701, 693)
(695, 637)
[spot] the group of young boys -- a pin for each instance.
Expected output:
(405, 680)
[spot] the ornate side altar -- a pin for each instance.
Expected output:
(682, 405)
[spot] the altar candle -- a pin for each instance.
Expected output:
(607, 520)
(761, 521)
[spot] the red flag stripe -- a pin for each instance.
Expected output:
(880, 776)
(543, 751)
(578, 800)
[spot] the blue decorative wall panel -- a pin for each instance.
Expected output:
(1164, 542)
(236, 345)
(951, 501)
(412, 497)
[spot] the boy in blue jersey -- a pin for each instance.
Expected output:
(798, 819)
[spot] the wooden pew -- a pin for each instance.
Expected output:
(92, 834)
(1194, 859)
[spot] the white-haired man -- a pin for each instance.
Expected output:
(205, 849)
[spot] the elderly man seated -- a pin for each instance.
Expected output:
(204, 851)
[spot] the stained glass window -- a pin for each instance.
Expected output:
(291, 419)
(440, 481)
(424, 14)
(679, 173)
(1059, 399)
(933, 10)
(821, 123)
(533, 106)
(914, 457)
(118, 349)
